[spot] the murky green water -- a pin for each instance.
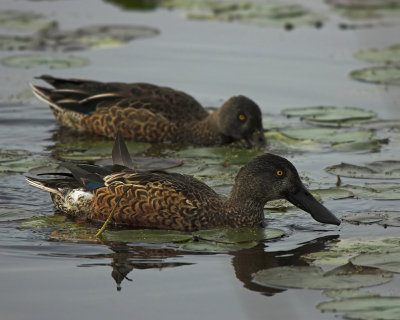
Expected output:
(46, 276)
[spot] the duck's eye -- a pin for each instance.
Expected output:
(242, 117)
(279, 173)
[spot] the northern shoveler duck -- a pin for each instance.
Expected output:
(149, 113)
(158, 199)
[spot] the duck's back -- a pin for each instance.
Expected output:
(86, 96)
(158, 200)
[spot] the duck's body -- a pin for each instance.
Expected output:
(174, 201)
(150, 113)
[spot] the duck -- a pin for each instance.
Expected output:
(173, 201)
(149, 113)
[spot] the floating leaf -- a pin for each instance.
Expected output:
(333, 193)
(12, 214)
(389, 75)
(387, 55)
(52, 61)
(385, 218)
(388, 169)
(343, 277)
(341, 252)
(389, 261)
(349, 293)
(326, 135)
(268, 13)
(147, 236)
(228, 239)
(92, 150)
(24, 20)
(14, 161)
(365, 308)
(102, 36)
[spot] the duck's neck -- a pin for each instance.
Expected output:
(206, 131)
(244, 211)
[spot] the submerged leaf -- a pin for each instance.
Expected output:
(389, 75)
(343, 277)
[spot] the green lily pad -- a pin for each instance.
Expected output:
(385, 218)
(387, 55)
(90, 150)
(12, 214)
(365, 308)
(52, 61)
(331, 116)
(342, 140)
(389, 75)
(343, 277)
(24, 20)
(333, 193)
(102, 36)
(279, 141)
(339, 253)
(147, 236)
(387, 169)
(228, 239)
(366, 9)
(389, 261)
(349, 293)
(19, 161)
(266, 14)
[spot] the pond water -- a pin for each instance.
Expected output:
(46, 276)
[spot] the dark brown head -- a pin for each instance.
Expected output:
(240, 118)
(270, 177)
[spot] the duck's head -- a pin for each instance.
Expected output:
(240, 118)
(270, 177)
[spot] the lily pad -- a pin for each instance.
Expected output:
(387, 55)
(331, 115)
(365, 308)
(102, 36)
(343, 277)
(389, 75)
(339, 253)
(386, 169)
(333, 193)
(92, 150)
(19, 161)
(266, 14)
(385, 218)
(12, 214)
(389, 261)
(349, 293)
(24, 20)
(52, 61)
(228, 239)
(147, 236)
(147, 163)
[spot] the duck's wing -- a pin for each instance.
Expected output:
(157, 200)
(86, 96)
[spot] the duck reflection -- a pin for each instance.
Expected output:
(127, 257)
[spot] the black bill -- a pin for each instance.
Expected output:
(305, 201)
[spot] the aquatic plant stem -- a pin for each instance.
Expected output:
(98, 234)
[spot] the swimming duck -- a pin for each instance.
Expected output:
(158, 199)
(150, 113)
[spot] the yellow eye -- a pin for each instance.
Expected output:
(279, 173)
(242, 117)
